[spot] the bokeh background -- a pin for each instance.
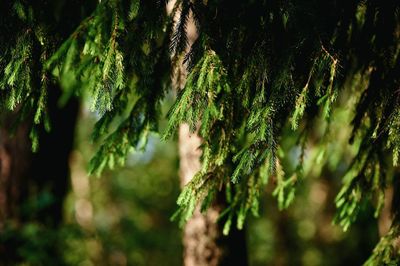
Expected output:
(123, 216)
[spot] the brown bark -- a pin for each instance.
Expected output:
(15, 155)
(200, 232)
(385, 217)
(203, 241)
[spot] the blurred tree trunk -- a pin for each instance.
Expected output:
(33, 185)
(15, 155)
(385, 218)
(203, 241)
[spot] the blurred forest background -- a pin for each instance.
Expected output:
(123, 217)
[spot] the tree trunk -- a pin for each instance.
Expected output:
(203, 241)
(33, 185)
(15, 155)
(385, 218)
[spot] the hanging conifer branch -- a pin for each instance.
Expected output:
(257, 69)
(179, 39)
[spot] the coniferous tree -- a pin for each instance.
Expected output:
(257, 69)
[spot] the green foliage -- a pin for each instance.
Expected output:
(256, 68)
(116, 69)
(23, 81)
(386, 251)
(92, 56)
(365, 178)
(131, 207)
